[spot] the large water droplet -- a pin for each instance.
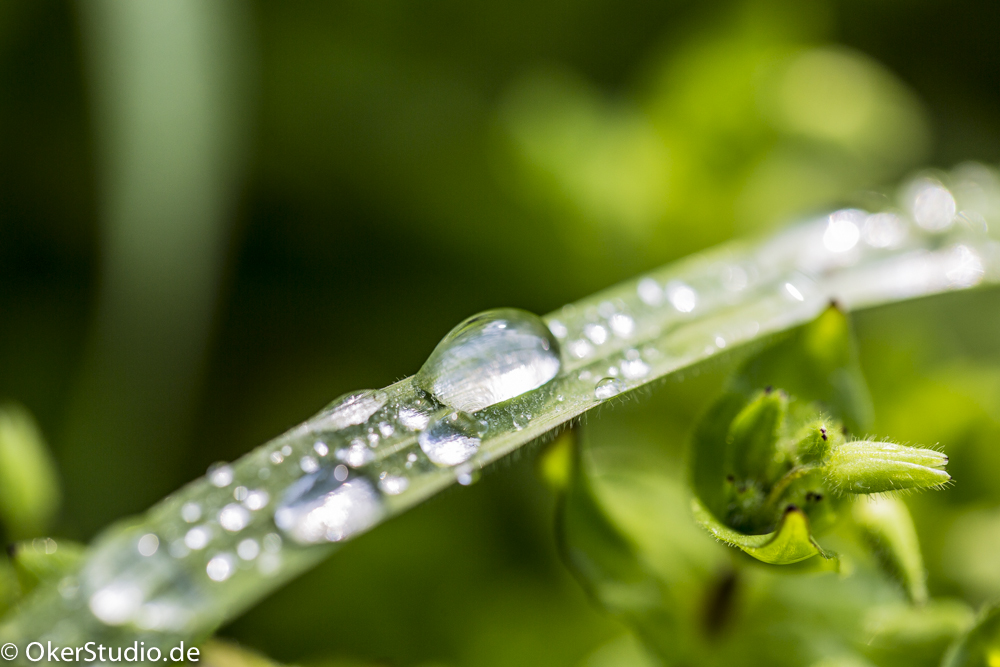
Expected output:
(323, 507)
(452, 439)
(489, 358)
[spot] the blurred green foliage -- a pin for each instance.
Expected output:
(389, 168)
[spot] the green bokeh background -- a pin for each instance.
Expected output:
(211, 228)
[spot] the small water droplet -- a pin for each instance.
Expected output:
(521, 421)
(116, 603)
(248, 549)
(580, 348)
(720, 342)
(308, 464)
(220, 474)
(735, 278)
(466, 475)
(386, 429)
(321, 448)
(681, 296)
(340, 473)
(198, 538)
(240, 493)
(322, 508)
(452, 439)
(276, 457)
(234, 518)
(650, 292)
(286, 450)
(932, 205)
(272, 543)
(608, 387)
(596, 333)
(356, 455)
(634, 368)
(558, 329)
(148, 544)
(190, 512)
(883, 230)
(622, 324)
(220, 567)
(490, 358)
(794, 292)
(393, 485)
(413, 419)
(349, 410)
(256, 499)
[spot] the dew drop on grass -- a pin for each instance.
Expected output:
(349, 410)
(452, 439)
(327, 507)
(608, 387)
(489, 358)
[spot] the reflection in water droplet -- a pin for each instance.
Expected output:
(794, 292)
(321, 508)
(349, 410)
(521, 420)
(276, 458)
(608, 387)
(633, 367)
(490, 358)
(321, 448)
(580, 348)
(413, 419)
(452, 439)
(681, 296)
(220, 474)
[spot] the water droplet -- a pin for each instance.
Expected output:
(650, 292)
(580, 348)
(356, 455)
(843, 230)
(322, 508)
(234, 518)
(393, 485)
(256, 499)
(720, 342)
(272, 543)
(558, 329)
(681, 296)
(596, 333)
(198, 538)
(320, 448)
(932, 205)
(490, 358)
(286, 450)
(607, 388)
(117, 603)
(148, 544)
(276, 457)
(240, 493)
(466, 475)
(413, 419)
(308, 464)
(735, 278)
(220, 474)
(248, 549)
(349, 410)
(883, 230)
(633, 367)
(622, 324)
(452, 439)
(386, 429)
(521, 421)
(963, 267)
(190, 512)
(220, 567)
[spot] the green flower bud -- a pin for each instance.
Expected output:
(816, 441)
(866, 466)
(753, 435)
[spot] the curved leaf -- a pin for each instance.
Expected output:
(790, 543)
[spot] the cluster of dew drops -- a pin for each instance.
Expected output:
(337, 473)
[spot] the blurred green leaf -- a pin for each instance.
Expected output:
(29, 487)
(980, 647)
(44, 560)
